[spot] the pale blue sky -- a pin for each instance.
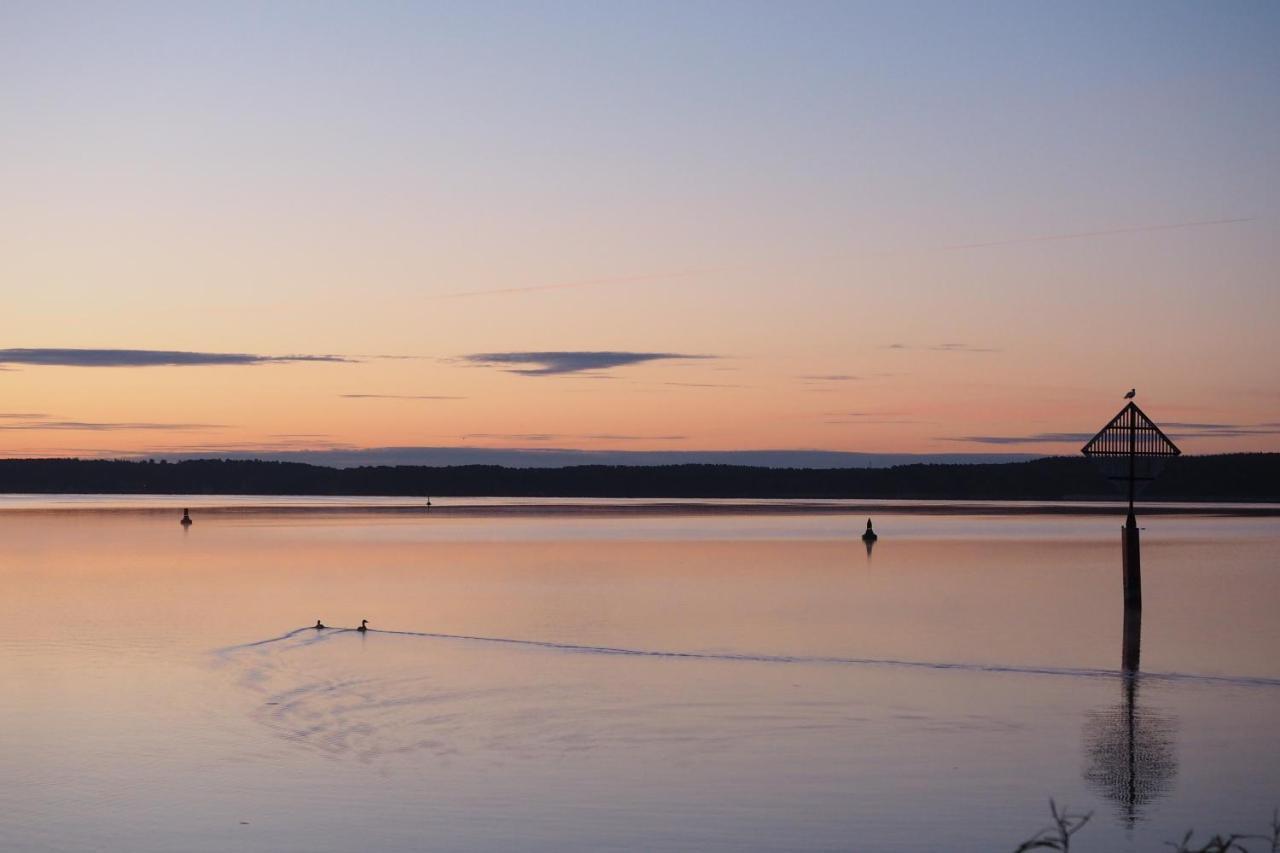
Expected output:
(775, 183)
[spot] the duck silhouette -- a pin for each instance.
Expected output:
(320, 625)
(364, 626)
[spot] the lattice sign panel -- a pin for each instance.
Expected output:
(1131, 448)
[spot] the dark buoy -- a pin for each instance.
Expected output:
(364, 623)
(320, 626)
(870, 535)
(186, 518)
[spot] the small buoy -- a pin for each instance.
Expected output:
(870, 535)
(186, 518)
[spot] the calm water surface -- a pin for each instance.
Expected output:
(657, 682)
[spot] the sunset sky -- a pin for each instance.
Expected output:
(872, 227)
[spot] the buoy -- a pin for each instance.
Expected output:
(870, 535)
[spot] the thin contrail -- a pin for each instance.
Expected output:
(587, 282)
(1045, 238)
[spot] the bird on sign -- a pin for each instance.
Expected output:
(1133, 392)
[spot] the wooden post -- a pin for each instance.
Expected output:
(1131, 653)
(1132, 562)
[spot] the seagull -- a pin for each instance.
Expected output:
(1133, 392)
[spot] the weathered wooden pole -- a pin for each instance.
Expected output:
(1132, 563)
(1131, 652)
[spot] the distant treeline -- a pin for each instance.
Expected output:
(1228, 477)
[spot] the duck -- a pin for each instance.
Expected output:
(320, 626)
(186, 518)
(870, 535)
(364, 626)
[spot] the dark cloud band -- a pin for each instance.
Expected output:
(57, 357)
(558, 362)
(1177, 430)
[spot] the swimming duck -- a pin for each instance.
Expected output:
(364, 623)
(870, 535)
(320, 625)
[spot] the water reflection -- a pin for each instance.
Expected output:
(1130, 749)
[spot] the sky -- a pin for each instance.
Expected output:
(877, 228)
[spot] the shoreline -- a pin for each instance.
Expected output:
(610, 507)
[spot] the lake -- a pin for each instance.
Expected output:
(618, 675)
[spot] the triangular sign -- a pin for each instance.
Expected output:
(1131, 447)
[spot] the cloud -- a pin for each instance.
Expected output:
(1210, 427)
(22, 416)
(961, 348)
(401, 357)
(559, 362)
(947, 347)
(399, 397)
(1187, 430)
(832, 377)
(144, 358)
(1174, 429)
(93, 426)
(1038, 438)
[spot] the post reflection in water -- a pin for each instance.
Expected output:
(1129, 749)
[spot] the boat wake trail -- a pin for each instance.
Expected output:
(992, 668)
